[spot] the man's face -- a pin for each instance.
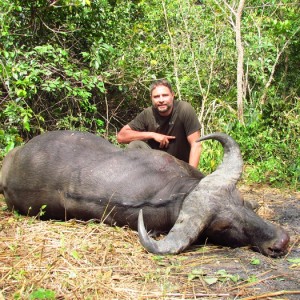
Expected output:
(162, 99)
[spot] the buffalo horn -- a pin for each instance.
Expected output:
(193, 217)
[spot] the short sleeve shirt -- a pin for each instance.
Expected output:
(182, 122)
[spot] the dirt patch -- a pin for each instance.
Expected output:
(73, 260)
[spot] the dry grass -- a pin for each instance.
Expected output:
(86, 261)
(93, 261)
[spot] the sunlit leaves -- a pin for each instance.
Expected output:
(220, 275)
(75, 62)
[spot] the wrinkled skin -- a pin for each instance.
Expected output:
(259, 233)
(79, 175)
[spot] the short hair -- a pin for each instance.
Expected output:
(159, 82)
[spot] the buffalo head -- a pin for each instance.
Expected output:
(216, 210)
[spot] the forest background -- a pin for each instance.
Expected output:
(87, 65)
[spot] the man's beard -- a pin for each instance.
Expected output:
(164, 108)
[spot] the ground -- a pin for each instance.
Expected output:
(75, 260)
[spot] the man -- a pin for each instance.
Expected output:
(168, 125)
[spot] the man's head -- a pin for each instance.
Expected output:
(162, 96)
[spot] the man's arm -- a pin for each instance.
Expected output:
(195, 149)
(127, 135)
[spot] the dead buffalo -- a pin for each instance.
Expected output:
(80, 175)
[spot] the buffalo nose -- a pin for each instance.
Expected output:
(280, 245)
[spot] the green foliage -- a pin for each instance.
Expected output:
(42, 294)
(295, 262)
(47, 82)
(87, 65)
(255, 261)
(252, 279)
(271, 154)
(211, 157)
(42, 210)
(220, 275)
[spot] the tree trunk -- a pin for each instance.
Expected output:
(240, 61)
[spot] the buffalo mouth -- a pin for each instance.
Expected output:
(276, 248)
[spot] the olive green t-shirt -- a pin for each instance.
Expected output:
(181, 123)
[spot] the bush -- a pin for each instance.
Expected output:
(270, 155)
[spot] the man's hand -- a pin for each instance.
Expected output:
(163, 140)
(127, 135)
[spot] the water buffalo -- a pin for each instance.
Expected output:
(83, 176)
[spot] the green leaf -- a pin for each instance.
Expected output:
(21, 93)
(26, 124)
(234, 278)
(252, 278)
(157, 257)
(75, 254)
(210, 280)
(43, 209)
(225, 276)
(9, 146)
(255, 261)
(42, 294)
(196, 273)
(294, 260)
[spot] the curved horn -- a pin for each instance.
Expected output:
(231, 168)
(193, 217)
(185, 231)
